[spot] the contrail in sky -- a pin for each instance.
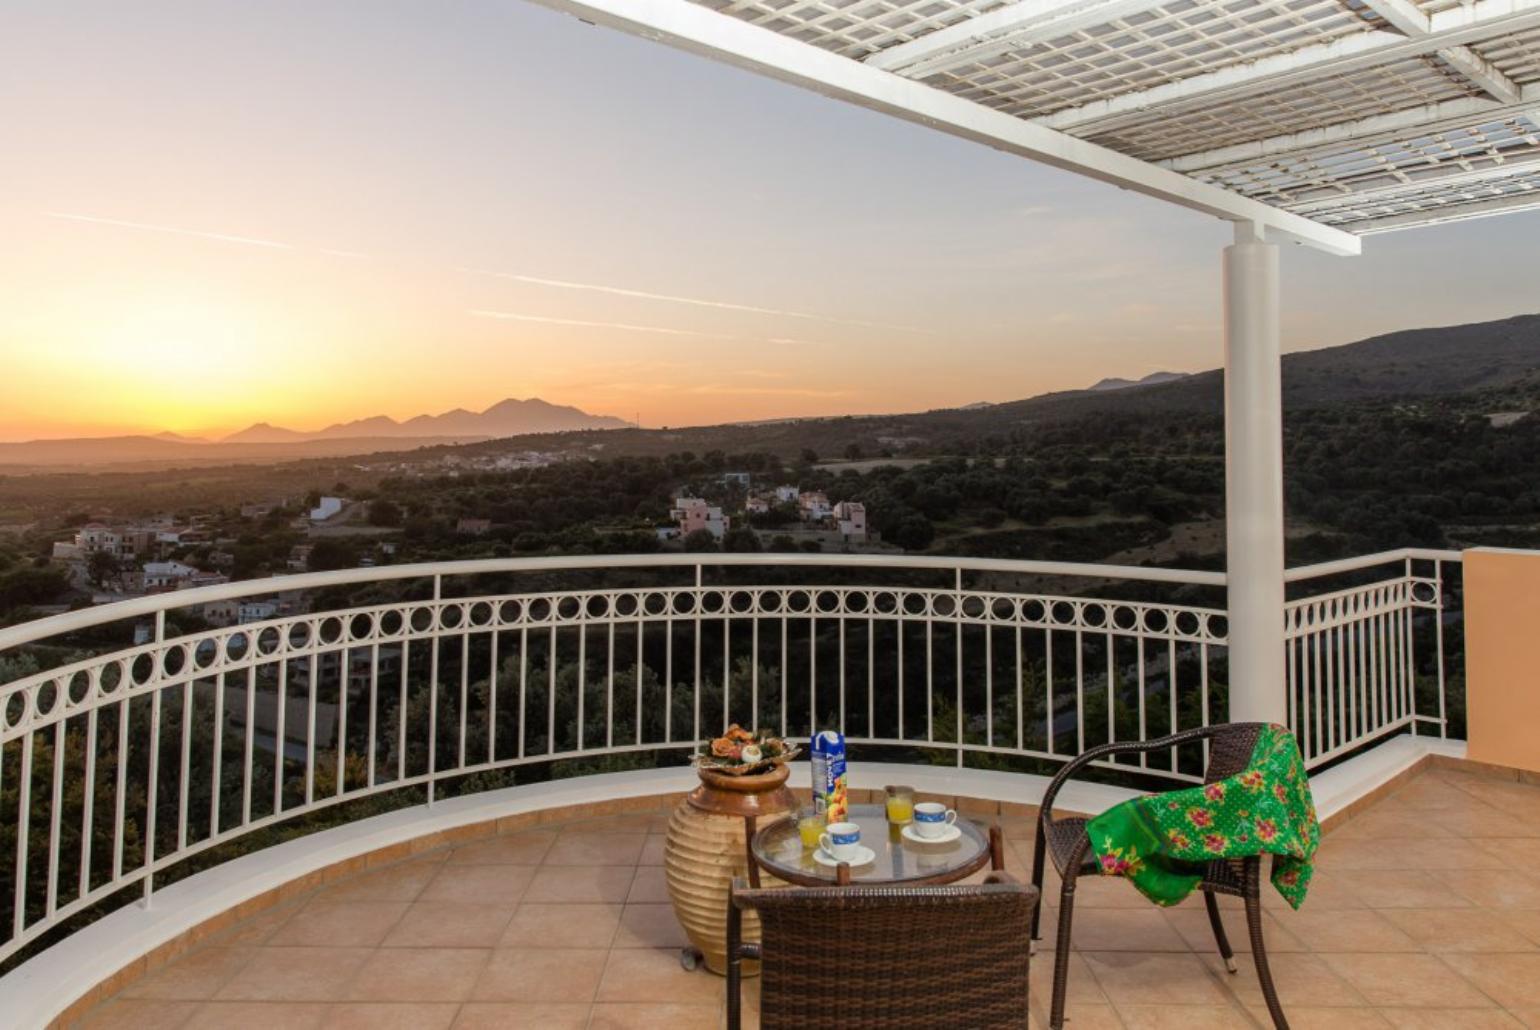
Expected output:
(509, 315)
(620, 291)
(561, 284)
(222, 237)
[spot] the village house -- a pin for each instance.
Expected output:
(474, 527)
(851, 518)
(694, 513)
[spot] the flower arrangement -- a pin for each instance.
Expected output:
(740, 752)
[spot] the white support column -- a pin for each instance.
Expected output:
(1254, 478)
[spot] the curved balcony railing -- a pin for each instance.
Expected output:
(138, 742)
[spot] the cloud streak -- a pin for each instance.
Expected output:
(513, 316)
(669, 298)
(173, 230)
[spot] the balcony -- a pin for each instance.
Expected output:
(387, 798)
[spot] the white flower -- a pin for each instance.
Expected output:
(751, 754)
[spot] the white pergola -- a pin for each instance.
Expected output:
(1313, 122)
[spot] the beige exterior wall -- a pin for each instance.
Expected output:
(1502, 657)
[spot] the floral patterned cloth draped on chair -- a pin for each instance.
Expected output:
(1161, 842)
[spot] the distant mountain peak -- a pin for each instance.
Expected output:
(508, 417)
(1115, 383)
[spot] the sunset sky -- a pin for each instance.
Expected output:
(216, 213)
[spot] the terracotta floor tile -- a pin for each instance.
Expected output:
(649, 888)
(1411, 980)
(258, 1015)
(1458, 929)
(580, 884)
(1126, 929)
(526, 848)
(562, 926)
(519, 1015)
(294, 974)
(418, 974)
(129, 1014)
(1302, 979)
(1450, 1019)
(1513, 981)
(1494, 888)
(1341, 854)
(1361, 930)
(450, 924)
(596, 849)
(648, 1016)
(1390, 820)
(1184, 1017)
(365, 1015)
(649, 926)
(1082, 1015)
(1399, 889)
(323, 923)
(1306, 1017)
(655, 975)
(1081, 986)
(479, 884)
(652, 850)
(258, 928)
(531, 974)
(1190, 919)
(1329, 890)
(402, 882)
(1131, 978)
(193, 977)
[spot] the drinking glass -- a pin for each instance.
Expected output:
(900, 805)
(810, 828)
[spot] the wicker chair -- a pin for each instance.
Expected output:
(1067, 846)
(863, 958)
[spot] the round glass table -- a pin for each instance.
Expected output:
(777, 850)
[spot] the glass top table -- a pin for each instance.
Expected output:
(779, 852)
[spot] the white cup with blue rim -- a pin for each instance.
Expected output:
(932, 819)
(842, 842)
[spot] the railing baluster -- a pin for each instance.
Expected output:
(957, 617)
(88, 795)
(247, 766)
(1438, 623)
(374, 711)
(24, 833)
(56, 808)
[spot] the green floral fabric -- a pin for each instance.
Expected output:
(1160, 842)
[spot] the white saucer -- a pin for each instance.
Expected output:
(864, 855)
(952, 833)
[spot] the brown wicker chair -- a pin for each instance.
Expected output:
(863, 958)
(1068, 847)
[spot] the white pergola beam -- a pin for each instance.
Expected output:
(1424, 120)
(1453, 212)
(1453, 27)
(697, 29)
(1409, 19)
(1403, 15)
(1481, 72)
(1017, 25)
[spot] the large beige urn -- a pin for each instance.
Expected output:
(705, 850)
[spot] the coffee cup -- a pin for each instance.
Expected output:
(932, 819)
(842, 842)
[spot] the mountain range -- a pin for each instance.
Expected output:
(264, 442)
(1407, 364)
(509, 417)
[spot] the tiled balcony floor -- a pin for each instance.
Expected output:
(1425, 913)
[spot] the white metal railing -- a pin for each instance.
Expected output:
(1352, 653)
(119, 760)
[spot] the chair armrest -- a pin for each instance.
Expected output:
(1002, 877)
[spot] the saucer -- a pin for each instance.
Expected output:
(952, 833)
(864, 855)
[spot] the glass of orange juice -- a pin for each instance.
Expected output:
(900, 805)
(810, 827)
